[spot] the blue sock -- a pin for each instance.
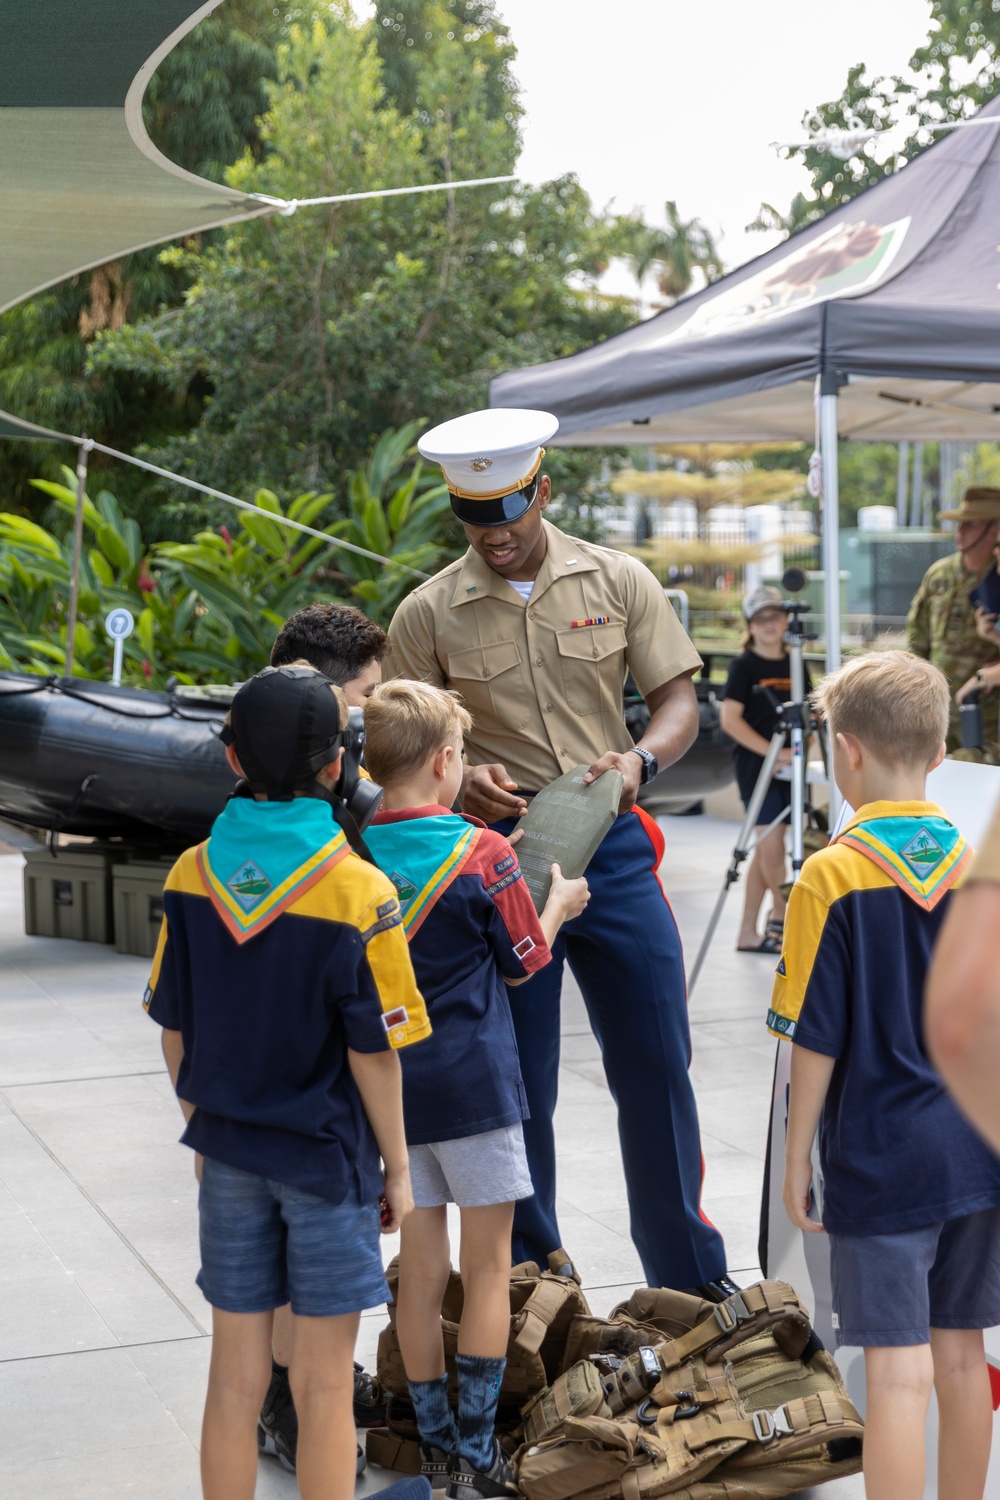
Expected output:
(434, 1419)
(478, 1392)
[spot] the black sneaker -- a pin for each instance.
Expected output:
(434, 1466)
(369, 1402)
(277, 1425)
(717, 1290)
(467, 1483)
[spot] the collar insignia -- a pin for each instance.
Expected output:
(923, 853)
(405, 889)
(249, 885)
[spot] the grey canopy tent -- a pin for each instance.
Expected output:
(880, 322)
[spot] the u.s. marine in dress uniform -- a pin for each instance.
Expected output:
(537, 630)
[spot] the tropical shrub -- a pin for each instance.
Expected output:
(208, 610)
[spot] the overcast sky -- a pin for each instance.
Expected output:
(647, 100)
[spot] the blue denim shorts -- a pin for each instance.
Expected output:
(892, 1289)
(264, 1243)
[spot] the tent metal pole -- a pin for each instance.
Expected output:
(74, 578)
(902, 481)
(831, 541)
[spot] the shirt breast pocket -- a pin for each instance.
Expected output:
(593, 667)
(491, 681)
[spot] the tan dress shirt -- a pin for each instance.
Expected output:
(543, 687)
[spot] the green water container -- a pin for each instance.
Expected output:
(138, 905)
(69, 895)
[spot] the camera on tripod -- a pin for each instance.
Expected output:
(793, 723)
(793, 581)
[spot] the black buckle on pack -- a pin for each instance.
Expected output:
(647, 1413)
(731, 1313)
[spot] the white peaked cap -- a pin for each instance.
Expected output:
(488, 454)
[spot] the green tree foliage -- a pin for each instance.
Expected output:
(208, 609)
(201, 111)
(313, 333)
(951, 75)
(396, 515)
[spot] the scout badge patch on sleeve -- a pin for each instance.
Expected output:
(524, 947)
(394, 1025)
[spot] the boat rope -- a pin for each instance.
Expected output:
(170, 710)
(279, 520)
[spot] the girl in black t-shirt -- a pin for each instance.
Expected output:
(749, 717)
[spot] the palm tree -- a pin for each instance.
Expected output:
(674, 253)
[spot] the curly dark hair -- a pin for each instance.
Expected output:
(337, 639)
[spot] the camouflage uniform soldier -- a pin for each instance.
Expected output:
(942, 622)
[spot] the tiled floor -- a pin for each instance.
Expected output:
(103, 1334)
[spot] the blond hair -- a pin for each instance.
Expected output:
(895, 703)
(405, 722)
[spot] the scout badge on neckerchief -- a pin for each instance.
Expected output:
(422, 856)
(923, 853)
(262, 856)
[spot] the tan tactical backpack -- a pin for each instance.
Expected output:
(543, 1306)
(670, 1395)
(675, 1396)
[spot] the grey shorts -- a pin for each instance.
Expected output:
(473, 1172)
(892, 1289)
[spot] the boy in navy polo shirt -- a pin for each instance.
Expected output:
(472, 927)
(283, 984)
(911, 1195)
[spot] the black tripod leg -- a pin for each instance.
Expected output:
(744, 846)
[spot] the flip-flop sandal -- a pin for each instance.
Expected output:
(774, 928)
(767, 944)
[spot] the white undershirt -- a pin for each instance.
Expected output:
(524, 589)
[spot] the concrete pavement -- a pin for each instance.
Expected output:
(104, 1337)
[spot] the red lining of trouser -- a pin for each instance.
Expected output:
(655, 835)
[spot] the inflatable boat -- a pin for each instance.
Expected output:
(88, 758)
(85, 757)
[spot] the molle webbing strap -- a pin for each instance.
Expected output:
(541, 1310)
(759, 1304)
(630, 1485)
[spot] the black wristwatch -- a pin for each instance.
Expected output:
(650, 765)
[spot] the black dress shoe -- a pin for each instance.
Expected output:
(715, 1291)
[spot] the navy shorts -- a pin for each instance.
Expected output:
(264, 1243)
(892, 1289)
(777, 797)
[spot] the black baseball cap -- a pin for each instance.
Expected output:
(284, 725)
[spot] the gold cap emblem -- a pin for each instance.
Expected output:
(481, 464)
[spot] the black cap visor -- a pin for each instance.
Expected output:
(496, 512)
